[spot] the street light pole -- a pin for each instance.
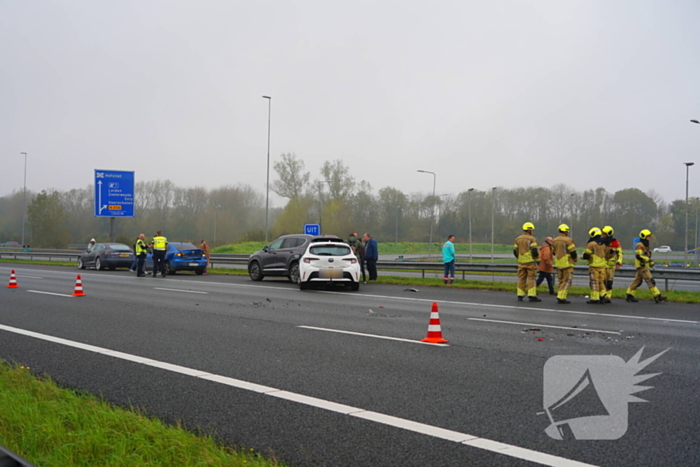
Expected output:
(493, 192)
(432, 219)
(687, 170)
(267, 184)
(471, 258)
(24, 197)
(397, 224)
(216, 207)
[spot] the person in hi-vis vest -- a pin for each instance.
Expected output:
(160, 246)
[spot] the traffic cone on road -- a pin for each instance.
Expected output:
(434, 332)
(13, 281)
(78, 287)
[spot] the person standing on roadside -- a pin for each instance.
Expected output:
(160, 246)
(595, 255)
(546, 268)
(141, 250)
(565, 256)
(525, 250)
(448, 258)
(359, 249)
(207, 251)
(371, 256)
(613, 259)
(135, 264)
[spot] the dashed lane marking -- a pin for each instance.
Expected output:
(50, 293)
(339, 331)
(388, 420)
(181, 290)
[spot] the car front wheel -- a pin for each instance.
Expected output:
(254, 271)
(169, 270)
(294, 273)
(81, 265)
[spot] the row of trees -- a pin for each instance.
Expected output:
(342, 204)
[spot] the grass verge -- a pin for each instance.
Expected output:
(52, 426)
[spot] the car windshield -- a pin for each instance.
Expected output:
(329, 250)
(120, 247)
(185, 246)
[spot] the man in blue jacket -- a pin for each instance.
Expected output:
(448, 257)
(371, 256)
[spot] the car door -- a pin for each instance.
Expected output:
(269, 258)
(287, 250)
(90, 255)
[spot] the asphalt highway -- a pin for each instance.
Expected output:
(336, 378)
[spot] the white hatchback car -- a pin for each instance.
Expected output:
(329, 261)
(663, 249)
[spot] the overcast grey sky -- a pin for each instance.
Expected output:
(484, 93)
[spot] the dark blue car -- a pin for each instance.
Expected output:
(181, 256)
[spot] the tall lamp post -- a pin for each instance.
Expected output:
(687, 169)
(267, 184)
(432, 218)
(471, 259)
(24, 197)
(216, 207)
(397, 224)
(493, 209)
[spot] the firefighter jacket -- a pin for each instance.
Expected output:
(595, 254)
(525, 249)
(642, 256)
(613, 252)
(564, 252)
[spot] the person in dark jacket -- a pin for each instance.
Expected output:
(371, 256)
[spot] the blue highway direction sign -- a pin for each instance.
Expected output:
(114, 193)
(312, 229)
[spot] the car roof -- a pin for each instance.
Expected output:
(326, 238)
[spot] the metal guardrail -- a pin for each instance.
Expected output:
(10, 459)
(660, 273)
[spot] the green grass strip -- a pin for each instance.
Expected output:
(51, 426)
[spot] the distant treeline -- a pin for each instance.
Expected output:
(342, 205)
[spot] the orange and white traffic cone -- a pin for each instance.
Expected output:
(78, 287)
(434, 332)
(13, 281)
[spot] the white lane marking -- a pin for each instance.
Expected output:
(180, 290)
(515, 307)
(543, 325)
(400, 339)
(50, 293)
(409, 425)
(29, 277)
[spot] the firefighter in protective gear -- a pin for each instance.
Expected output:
(160, 246)
(141, 252)
(527, 253)
(613, 260)
(595, 255)
(565, 257)
(642, 261)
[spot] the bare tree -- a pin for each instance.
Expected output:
(292, 181)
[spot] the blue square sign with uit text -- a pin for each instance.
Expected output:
(114, 193)
(312, 229)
